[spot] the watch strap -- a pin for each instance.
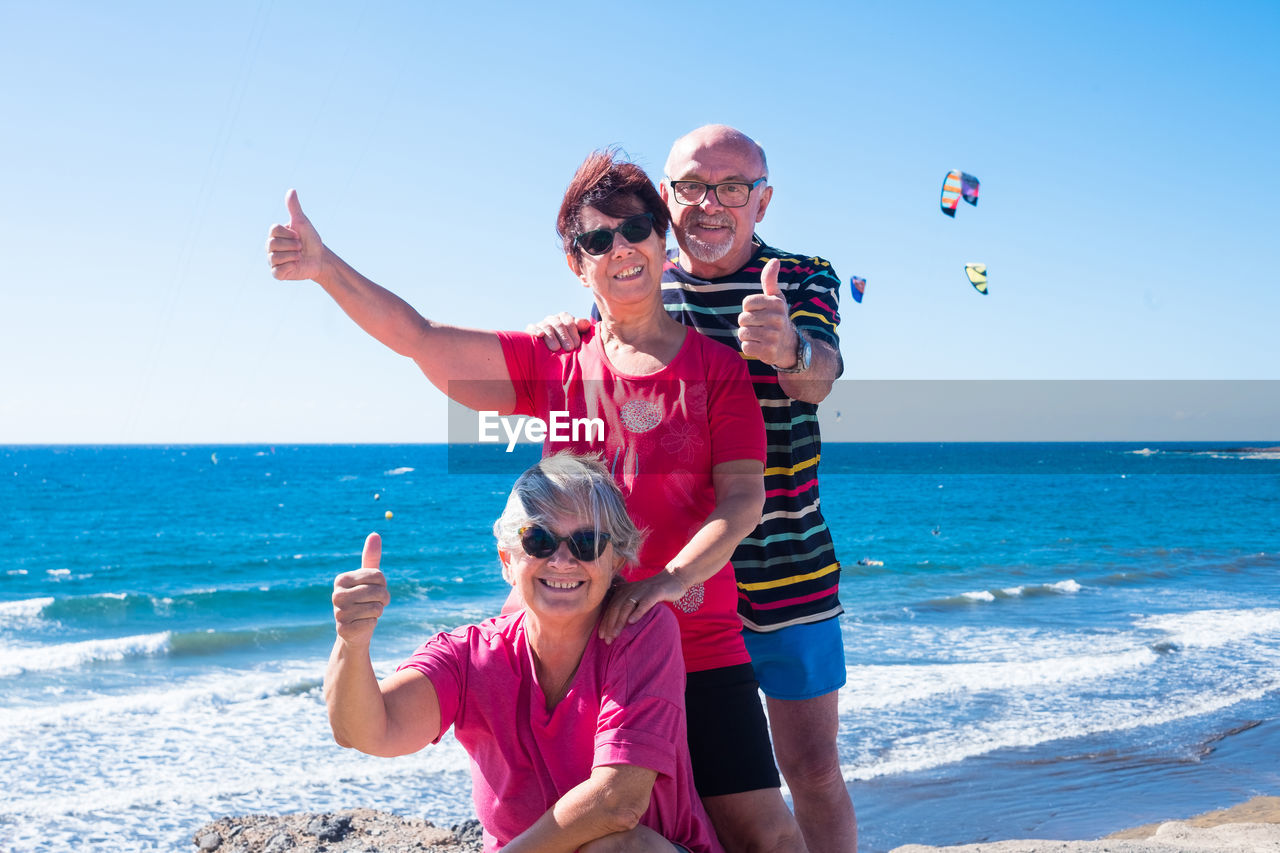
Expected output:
(804, 356)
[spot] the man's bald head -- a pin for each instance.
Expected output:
(718, 136)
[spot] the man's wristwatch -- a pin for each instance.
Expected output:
(804, 356)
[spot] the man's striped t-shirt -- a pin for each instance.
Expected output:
(786, 568)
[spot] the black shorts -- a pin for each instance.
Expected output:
(728, 734)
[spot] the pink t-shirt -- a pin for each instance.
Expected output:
(625, 705)
(663, 433)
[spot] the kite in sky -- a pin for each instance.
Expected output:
(858, 286)
(955, 186)
(977, 277)
(961, 185)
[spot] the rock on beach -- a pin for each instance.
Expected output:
(353, 831)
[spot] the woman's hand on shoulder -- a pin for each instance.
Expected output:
(631, 601)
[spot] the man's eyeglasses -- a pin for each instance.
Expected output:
(585, 545)
(634, 229)
(729, 193)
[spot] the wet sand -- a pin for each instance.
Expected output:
(1250, 827)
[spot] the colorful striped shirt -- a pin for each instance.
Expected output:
(787, 571)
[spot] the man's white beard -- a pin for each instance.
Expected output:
(709, 253)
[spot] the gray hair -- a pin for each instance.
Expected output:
(568, 483)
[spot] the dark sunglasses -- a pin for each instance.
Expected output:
(586, 545)
(634, 229)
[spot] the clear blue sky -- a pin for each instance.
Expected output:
(1127, 153)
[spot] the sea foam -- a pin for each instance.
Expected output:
(987, 596)
(124, 764)
(1212, 628)
(25, 613)
(17, 660)
(870, 687)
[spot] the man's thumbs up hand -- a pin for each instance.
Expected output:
(764, 326)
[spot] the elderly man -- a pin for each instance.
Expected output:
(717, 189)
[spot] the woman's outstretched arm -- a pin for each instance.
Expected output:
(466, 364)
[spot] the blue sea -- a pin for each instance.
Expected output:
(1052, 640)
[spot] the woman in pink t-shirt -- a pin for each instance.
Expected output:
(575, 744)
(683, 436)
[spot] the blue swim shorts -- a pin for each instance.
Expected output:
(798, 661)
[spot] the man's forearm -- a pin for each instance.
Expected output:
(814, 384)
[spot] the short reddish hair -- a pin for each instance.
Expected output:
(612, 186)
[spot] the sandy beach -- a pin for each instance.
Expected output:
(1250, 827)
